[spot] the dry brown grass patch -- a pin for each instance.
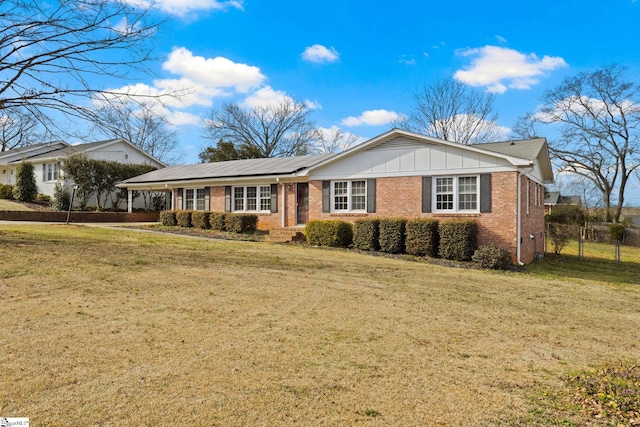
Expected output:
(102, 327)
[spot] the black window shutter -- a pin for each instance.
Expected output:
(326, 196)
(371, 195)
(274, 198)
(180, 193)
(207, 198)
(44, 173)
(485, 193)
(426, 194)
(227, 198)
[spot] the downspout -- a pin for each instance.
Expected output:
(519, 220)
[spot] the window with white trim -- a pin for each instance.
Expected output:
(349, 196)
(52, 171)
(194, 199)
(456, 194)
(252, 198)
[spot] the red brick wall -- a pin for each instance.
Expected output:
(266, 221)
(401, 197)
(78, 216)
(532, 221)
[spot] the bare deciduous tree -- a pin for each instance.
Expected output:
(279, 130)
(54, 56)
(450, 110)
(139, 124)
(599, 117)
(18, 128)
(333, 140)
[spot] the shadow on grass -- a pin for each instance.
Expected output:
(588, 268)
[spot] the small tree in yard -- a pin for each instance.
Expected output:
(25, 189)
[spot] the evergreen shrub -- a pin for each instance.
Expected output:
(392, 235)
(365, 234)
(492, 256)
(200, 219)
(422, 237)
(168, 218)
(183, 218)
(458, 239)
(217, 220)
(240, 223)
(331, 233)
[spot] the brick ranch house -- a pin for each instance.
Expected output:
(396, 174)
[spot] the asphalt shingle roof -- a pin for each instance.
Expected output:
(526, 149)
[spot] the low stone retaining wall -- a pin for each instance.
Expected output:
(78, 217)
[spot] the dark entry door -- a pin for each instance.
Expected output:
(302, 203)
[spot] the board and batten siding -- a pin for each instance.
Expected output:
(407, 157)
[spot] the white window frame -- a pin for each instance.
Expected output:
(262, 198)
(456, 194)
(348, 197)
(52, 172)
(194, 202)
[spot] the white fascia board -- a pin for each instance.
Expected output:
(209, 182)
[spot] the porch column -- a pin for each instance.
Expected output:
(284, 206)
(129, 201)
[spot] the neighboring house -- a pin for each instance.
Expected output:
(554, 198)
(396, 174)
(47, 159)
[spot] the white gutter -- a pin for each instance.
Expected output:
(519, 220)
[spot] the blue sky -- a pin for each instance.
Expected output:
(358, 63)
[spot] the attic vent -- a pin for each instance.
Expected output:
(398, 143)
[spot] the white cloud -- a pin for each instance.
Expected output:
(371, 118)
(265, 97)
(498, 68)
(313, 105)
(185, 7)
(216, 72)
(319, 53)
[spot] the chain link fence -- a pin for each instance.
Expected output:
(591, 240)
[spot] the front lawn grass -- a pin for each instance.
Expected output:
(106, 327)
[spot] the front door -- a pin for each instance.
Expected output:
(302, 203)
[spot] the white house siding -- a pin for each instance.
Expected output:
(119, 152)
(406, 157)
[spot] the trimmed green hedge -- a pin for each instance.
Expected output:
(183, 218)
(392, 235)
(216, 221)
(458, 239)
(422, 237)
(240, 223)
(168, 218)
(200, 219)
(365, 234)
(329, 233)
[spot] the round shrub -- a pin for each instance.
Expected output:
(491, 256)
(6, 191)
